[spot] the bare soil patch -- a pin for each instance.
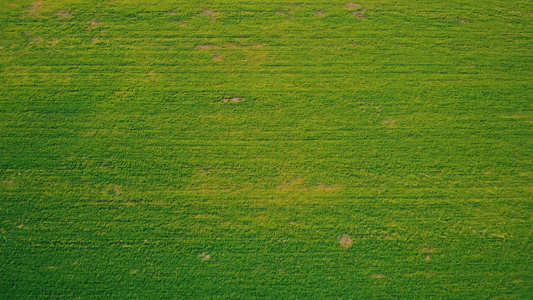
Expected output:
(345, 240)
(378, 276)
(181, 23)
(232, 99)
(294, 185)
(216, 56)
(207, 47)
(94, 41)
(92, 25)
(54, 42)
(352, 6)
(212, 14)
(116, 188)
(63, 14)
(427, 249)
(319, 13)
(389, 122)
(359, 14)
(123, 93)
(327, 188)
(204, 256)
(36, 7)
(463, 20)
(38, 40)
(172, 12)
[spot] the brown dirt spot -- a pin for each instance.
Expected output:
(123, 93)
(204, 256)
(54, 42)
(207, 47)
(63, 14)
(327, 188)
(92, 25)
(172, 12)
(345, 240)
(319, 13)
(463, 20)
(427, 249)
(8, 182)
(233, 99)
(389, 122)
(35, 7)
(378, 276)
(359, 14)
(116, 189)
(38, 40)
(294, 185)
(216, 56)
(428, 257)
(94, 41)
(212, 14)
(352, 6)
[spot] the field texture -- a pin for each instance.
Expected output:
(276, 149)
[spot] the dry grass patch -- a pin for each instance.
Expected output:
(63, 14)
(122, 93)
(207, 47)
(212, 14)
(95, 41)
(34, 9)
(54, 42)
(92, 25)
(181, 23)
(294, 185)
(359, 14)
(463, 20)
(38, 40)
(327, 188)
(389, 122)
(427, 249)
(232, 99)
(345, 240)
(319, 13)
(116, 189)
(204, 256)
(378, 276)
(172, 12)
(352, 6)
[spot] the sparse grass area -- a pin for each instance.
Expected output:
(243, 149)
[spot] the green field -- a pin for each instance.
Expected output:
(266, 149)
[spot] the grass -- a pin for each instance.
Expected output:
(127, 170)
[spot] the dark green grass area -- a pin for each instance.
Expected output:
(221, 149)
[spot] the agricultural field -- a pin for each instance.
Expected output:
(279, 149)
